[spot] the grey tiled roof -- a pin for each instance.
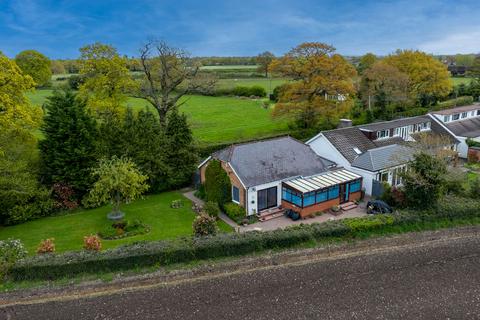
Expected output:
(346, 139)
(270, 160)
(471, 107)
(376, 126)
(383, 157)
(469, 128)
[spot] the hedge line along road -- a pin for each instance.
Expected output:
(417, 277)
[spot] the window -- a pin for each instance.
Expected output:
(384, 176)
(357, 151)
(383, 134)
(464, 115)
(292, 196)
(235, 194)
(333, 192)
(478, 112)
(355, 186)
(424, 126)
(266, 198)
(308, 199)
(456, 116)
(446, 118)
(472, 114)
(322, 196)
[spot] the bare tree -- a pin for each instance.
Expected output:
(170, 74)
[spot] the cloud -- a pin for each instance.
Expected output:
(459, 42)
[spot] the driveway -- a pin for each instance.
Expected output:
(283, 221)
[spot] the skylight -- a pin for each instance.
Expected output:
(357, 150)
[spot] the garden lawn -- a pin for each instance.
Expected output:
(69, 230)
(214, 120)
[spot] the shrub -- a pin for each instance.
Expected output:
(256, 91)
(200, 192)
(46, 246)
(457, 102)
(92, 243)
(211, 208)
(176, 204)
(204, 225)
(217, 184)
(235, 212)
(144, 254)
(124, 229)
(475, 188)
(64, 196)
(369, 223)
(75, 81)
(11, 251)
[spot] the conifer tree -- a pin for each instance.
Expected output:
(180, 150)
(68, 149)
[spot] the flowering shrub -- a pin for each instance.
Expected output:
(64, 196)
(46, 246)
(11, 251)
(204, 225)
(92, 243)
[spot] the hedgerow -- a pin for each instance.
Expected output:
(161, 253)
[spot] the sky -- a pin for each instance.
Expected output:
(240, 27)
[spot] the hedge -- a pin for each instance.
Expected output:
(158, 253)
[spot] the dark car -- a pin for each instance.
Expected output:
(378, 207)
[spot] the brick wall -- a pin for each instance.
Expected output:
(473, 154)
(324, 206)
(233, 180)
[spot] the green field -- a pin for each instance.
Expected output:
(214, 119)
(232, 67)
(69, 230)
(268, 84)
(460, 80)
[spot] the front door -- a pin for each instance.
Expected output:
(344, 192)
(266, 198)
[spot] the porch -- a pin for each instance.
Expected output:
(322, 192)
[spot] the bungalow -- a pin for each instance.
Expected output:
(463, 123)
(379, 151)
(284, 173)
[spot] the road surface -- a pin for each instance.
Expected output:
(433, 278)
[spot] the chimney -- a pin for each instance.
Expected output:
(344, 123)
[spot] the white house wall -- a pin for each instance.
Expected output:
(462, 147)
(252, 195)
(325, 149)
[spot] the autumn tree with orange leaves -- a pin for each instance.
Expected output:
(321, 90)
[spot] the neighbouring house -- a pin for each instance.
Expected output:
(284, 173)
(379, 151)
(463, 123)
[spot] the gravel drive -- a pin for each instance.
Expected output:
(433, 276)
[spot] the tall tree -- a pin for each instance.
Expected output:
(475, 68)
(322, 88)
(16, 113)
(263, 60)
(366, 61)
(35, 65)
(428, 77)
(180, 151)
(106, 78)
(383, 84)
(68, 149)
(21, 197)
(169, 74)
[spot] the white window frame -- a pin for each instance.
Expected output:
(464, 115)
(233, 200)
(456, 115)
(446, 119)
(387, 134)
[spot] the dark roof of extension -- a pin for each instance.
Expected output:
(383, 125)
(469, 128)
(384, 157)
(270, 160)
(346, 139)
(447, 112)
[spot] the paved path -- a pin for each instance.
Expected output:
(281, 222)
(434, 277)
